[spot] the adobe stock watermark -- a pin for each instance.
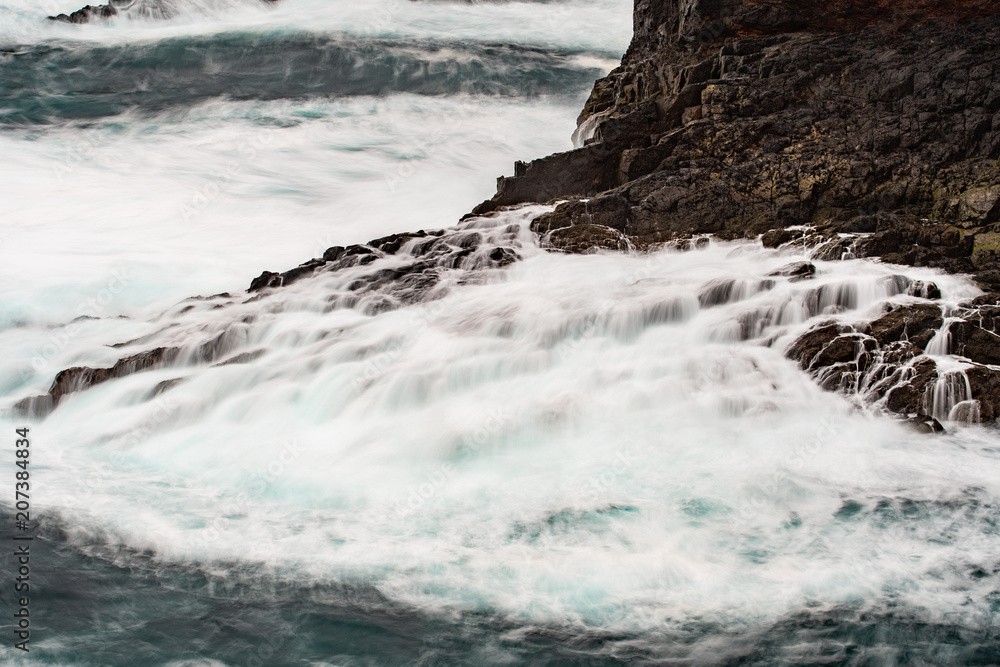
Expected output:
(256, 483)
(773, 487)
(222, 180)
(164, 409)
(93, 307)
(598, 486)
(497, 422)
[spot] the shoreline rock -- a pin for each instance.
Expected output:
(737, 118)
(114, 8)
(856, 129)
(861, 129)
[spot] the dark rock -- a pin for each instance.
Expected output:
(390, 245)
(909, 397)
(975, 342)
(924, 290)
(80, 378)
(796, 271)
(841, 350)
(916, 324)
(265, 280)
(91, 12)
(741, 118)
(586, 238)
(985, 385)
(503, 256)
(578, 173)
(779, 237)
(925, 425)
(809, 345)
(36, 407)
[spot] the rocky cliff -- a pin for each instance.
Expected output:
(740, 117)
(858, 128)
(849, 128)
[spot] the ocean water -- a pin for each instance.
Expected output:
(572, 460)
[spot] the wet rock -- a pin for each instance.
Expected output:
(809, 345)
(924, 290)
(985, 385)
(739, 119)
(909, 397)
(265, 280)
(917, 324)
(974, 342)
(91, 12)
(883, 362)
(844, 349)
(834, 250)
(779, 237)
(503, 256)
(36, 407)
(925, 425)
(796, 271)
(586, 238)
(405, 268)
(80, 378)
(390, 245)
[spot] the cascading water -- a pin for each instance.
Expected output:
(436, 454)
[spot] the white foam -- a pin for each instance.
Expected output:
(531, 446)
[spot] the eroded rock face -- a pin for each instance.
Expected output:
(743, 117)
(885, 362)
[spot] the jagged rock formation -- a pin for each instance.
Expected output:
(147, 9)
(884, 361)
(383, 274)
(870, 128)
(90, 12)
(737, 117)
(425, 257)
(855, 128)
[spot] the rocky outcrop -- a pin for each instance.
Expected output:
(146, 9)
(886, 362)
(422, 258)
(856, 128)
(743, 117)
(384, 274)
(80, 378)
(91, 12)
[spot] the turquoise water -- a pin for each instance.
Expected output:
(571, 460)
